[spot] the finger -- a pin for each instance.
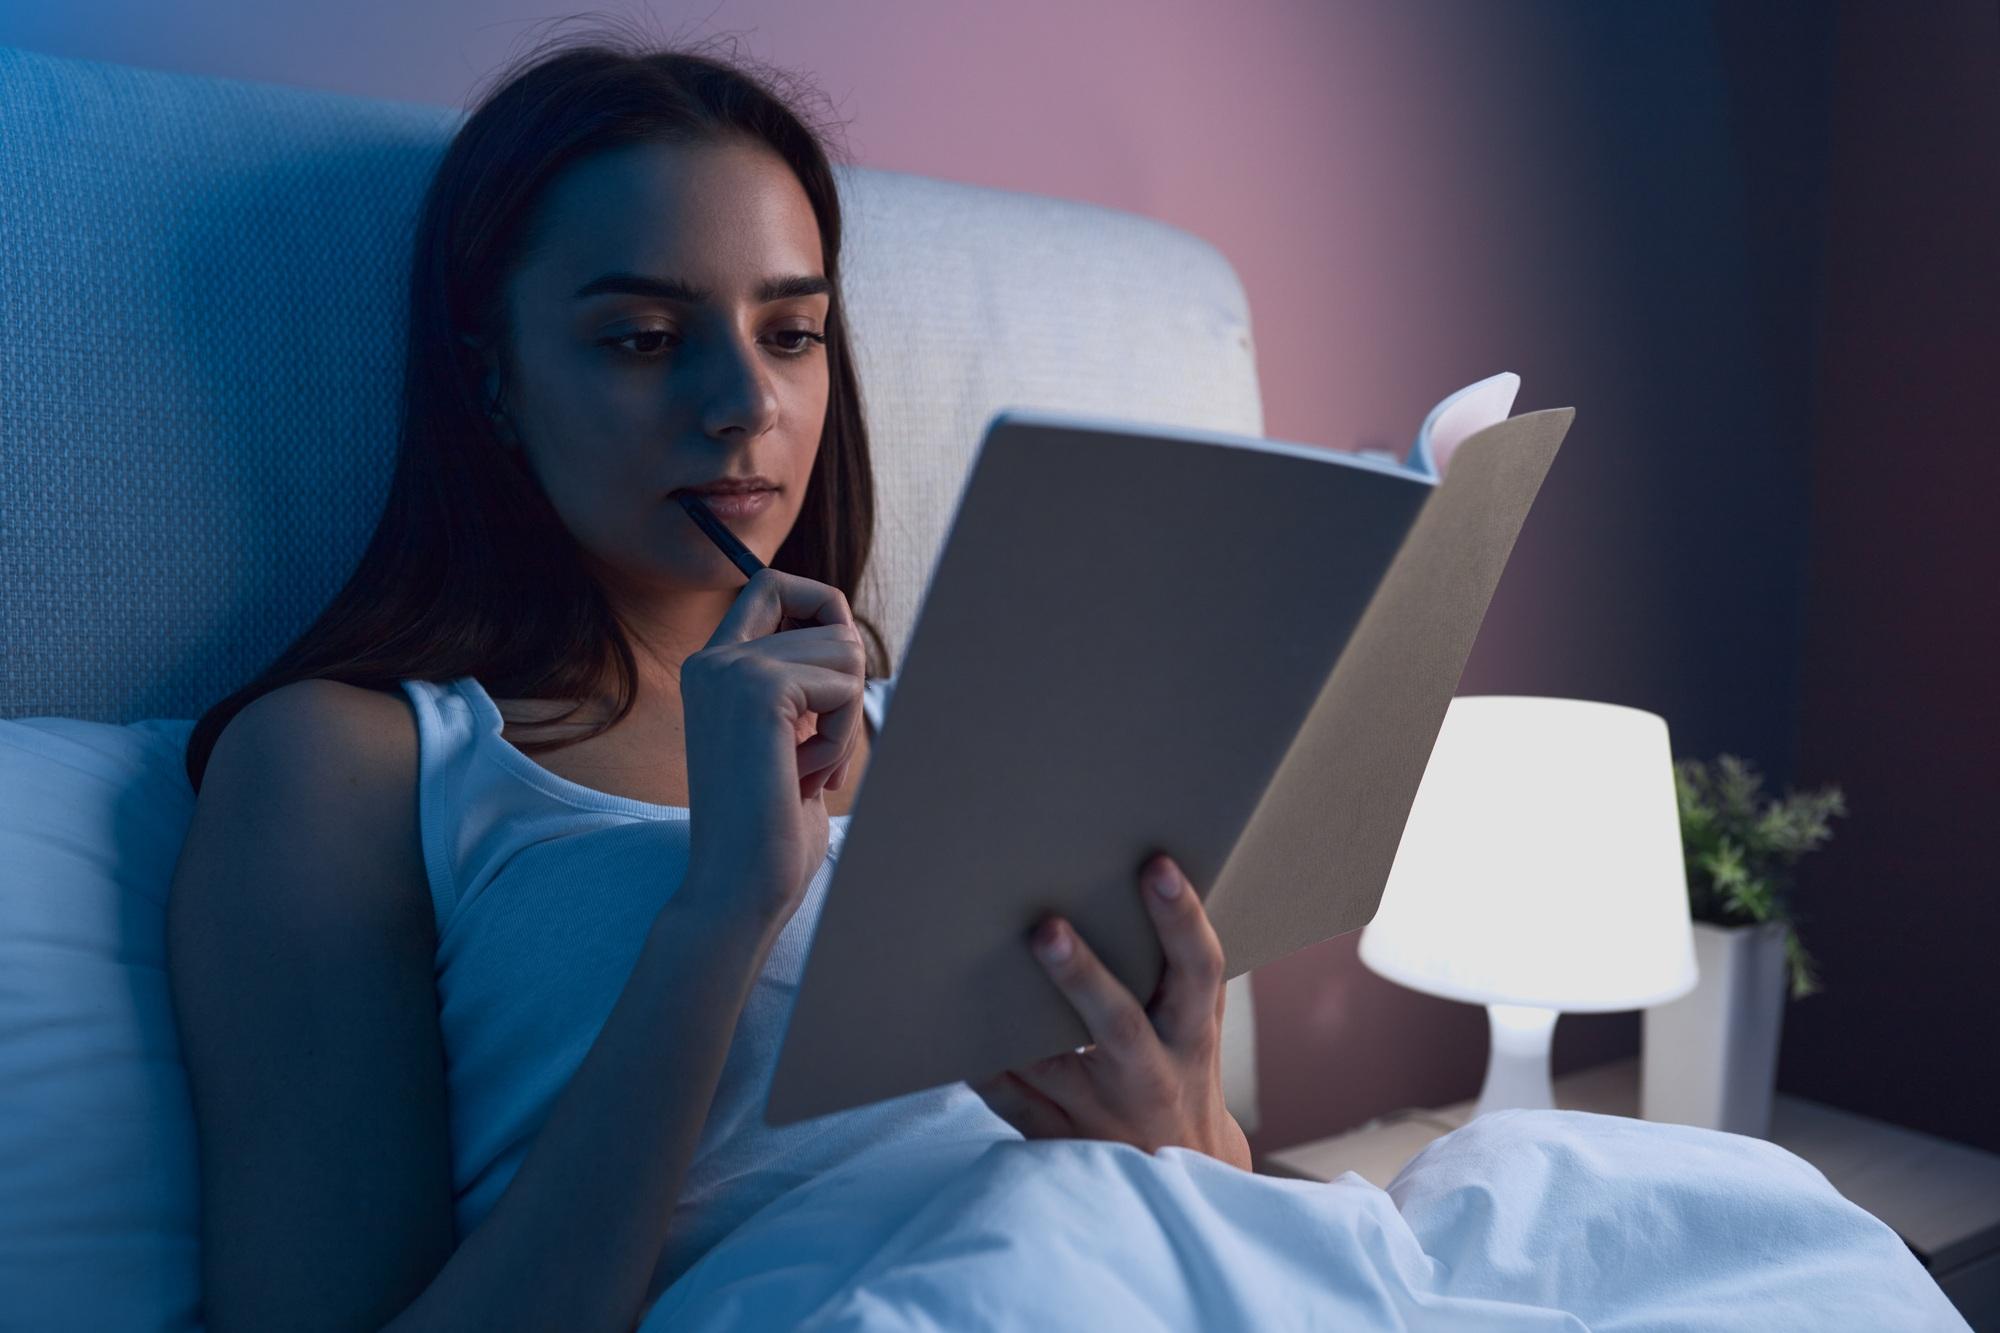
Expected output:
(819, 680)
(1027, 1110)
(1116, 1022)
(837, 735)
(830, 709)
(821, 668)
(837, 697)
(1065, 1081)
(772, 597)
(820, 645)
(1185, 1007)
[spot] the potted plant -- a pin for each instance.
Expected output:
(1711, 1057)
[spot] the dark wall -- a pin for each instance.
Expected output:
(1668, 241)
(1898, 701)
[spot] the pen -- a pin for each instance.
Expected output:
(718, 532)
(739, 555)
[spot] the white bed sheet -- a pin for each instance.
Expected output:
(1521, 1220)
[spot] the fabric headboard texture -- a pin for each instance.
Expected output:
(202, 287)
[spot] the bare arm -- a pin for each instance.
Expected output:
(573, 1241)
(300, 946)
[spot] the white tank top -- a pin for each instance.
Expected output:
(544, 891)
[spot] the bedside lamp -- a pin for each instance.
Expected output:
(1540, 872)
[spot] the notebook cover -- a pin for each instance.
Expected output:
(1109, 663)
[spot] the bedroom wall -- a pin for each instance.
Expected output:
(1903, 618)
(1618, 202)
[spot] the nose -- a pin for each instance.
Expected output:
(739, 396)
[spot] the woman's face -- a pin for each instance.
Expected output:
(648, 355)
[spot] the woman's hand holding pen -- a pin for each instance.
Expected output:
(1153, 1078)
(772, 721)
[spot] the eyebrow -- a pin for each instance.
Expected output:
(673, 289)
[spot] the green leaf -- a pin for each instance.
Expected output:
(1804, 982)
(1740, 848)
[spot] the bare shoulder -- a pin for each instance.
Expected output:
(328, 735)
(366, 726)
(323, 765)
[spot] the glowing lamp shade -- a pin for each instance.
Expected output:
(1540, 871)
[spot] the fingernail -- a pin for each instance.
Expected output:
(1052, 942)
(1166, 883)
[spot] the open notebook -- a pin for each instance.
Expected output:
(1137, 639)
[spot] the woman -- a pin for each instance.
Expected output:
(481, 1040)
(454, 1063)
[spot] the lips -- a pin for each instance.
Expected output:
(731, 504)
(720, 488)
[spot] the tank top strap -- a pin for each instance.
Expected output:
(875, 701)
(448, 775)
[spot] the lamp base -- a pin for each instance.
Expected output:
(1517, 1068)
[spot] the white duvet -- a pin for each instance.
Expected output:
(1542, 1220)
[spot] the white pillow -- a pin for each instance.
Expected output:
(99, 1220)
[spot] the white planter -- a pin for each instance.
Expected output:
(1710, 1058)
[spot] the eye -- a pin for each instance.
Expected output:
(811, 340)
(649, 353)
(652, 350)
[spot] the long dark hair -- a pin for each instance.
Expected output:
(470, 570)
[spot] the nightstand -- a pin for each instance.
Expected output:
(1941, 1197)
